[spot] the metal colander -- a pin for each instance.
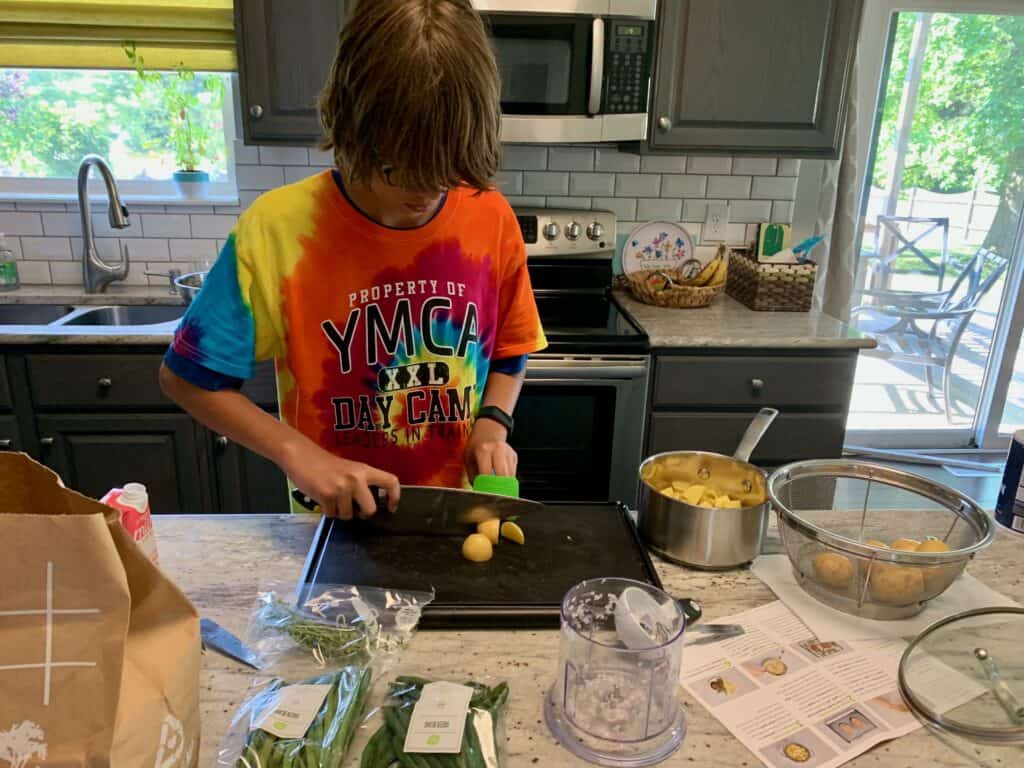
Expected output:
(840, 519)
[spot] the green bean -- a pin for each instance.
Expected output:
(266, 747)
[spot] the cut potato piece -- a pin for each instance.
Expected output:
(477, 548)
(693, 494)
(513, 532)
(490, 529)
(906, 545)
(679, 485)
(727, 502)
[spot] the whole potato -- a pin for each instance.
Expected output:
(833, 569)
(896, 584)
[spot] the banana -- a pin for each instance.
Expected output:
(705, 276)
(721, 271)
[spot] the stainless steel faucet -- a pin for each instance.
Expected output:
(96, 273)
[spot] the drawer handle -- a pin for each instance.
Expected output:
(222, 442)
(256, 111)
(47, 442)
(757, 386)
(6, 443)
(104, 382)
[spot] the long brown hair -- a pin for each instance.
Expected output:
(415, 86)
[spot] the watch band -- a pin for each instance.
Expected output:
(494, 413)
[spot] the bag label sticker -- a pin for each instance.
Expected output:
(293, 710)
(439, 719)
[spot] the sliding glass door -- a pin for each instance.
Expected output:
(939, 271)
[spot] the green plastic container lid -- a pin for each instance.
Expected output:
(502, 486)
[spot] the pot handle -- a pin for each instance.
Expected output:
(754, 433)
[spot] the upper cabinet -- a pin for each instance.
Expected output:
(285, 52)
(753, 76)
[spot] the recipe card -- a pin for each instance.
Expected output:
(794, 699)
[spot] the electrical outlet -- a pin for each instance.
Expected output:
(715, 222)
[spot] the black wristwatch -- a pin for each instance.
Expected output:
(494, 413)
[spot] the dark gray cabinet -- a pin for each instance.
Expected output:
(285, 51)
(10, 440)
(96, 452)
(752, 76)
(245, 481)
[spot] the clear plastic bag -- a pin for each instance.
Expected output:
(482, 740)
(340, 638)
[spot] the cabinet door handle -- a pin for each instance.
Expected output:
(6, 443)
(757, 386)
(104, 382)
(221, 441)
(664, 124)
(256, 111)
(46, 442)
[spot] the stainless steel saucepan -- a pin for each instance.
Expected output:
(700, 536)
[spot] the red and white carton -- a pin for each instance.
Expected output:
(132, 502)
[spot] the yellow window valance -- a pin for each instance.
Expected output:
(90, 33)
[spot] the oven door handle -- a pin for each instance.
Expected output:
(555, 370)
(596, 66)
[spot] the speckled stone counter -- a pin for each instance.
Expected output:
(117, 293)
(220, 561)
(729, 324)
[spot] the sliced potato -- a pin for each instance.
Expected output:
(490, 529)
(477, 548)
(513, 532)
(693, 494)
(727, 502)
(679, 485)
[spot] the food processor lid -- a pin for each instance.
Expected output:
(965, 675)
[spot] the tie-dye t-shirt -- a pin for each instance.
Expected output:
(382, 337)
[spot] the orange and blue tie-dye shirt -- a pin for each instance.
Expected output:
(383, 338)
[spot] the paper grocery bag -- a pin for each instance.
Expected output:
(99, 651)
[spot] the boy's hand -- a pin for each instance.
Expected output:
(488, 452)
(340, 486)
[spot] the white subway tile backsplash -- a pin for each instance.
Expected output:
(570, 159)
(190, 208)
(527, 201)
(284, 156)
(62, 224)
(7, 206)
(246, 155)
(750, 210)
(213, 226)
(165, 225)
(136, 275)
(709, 165)
(259, 176)
(34, 272)
(545, 183)
(774, 188)
(20, 223)
(193, 249)
(65, 273)
(322, 157)
(609, 159)
(663, 164)
(572, 203)
(664, 209)
(624, 208)
(46, 248)
(247, 197)
(694, 228)
(728, 186)
(162, 268)
(148, 249)
(788, 166)
(753, 166)
(509, 182)
(676, 185)
(735, 233)
(293, 173)
(637, 185)
(42, 207)
(101, 226)
(695, 210)
(525, 157)
(782, 210)
(592, 184)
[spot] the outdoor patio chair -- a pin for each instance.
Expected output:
(967, 280)
(926, 328)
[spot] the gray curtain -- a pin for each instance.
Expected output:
(838, 212)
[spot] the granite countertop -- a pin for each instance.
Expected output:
(727, 323)
(212, 558)
(118, 293)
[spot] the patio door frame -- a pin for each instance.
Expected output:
(874, 51)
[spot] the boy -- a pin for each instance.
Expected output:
(392, 292)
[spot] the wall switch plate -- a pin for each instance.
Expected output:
(715, 221)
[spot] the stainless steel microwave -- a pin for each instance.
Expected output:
(572, 70)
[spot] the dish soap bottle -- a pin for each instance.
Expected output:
(8, 267)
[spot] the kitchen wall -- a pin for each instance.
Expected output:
(46, 237)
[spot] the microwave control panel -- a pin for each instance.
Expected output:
(627, 65)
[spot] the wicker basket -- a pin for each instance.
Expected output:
(770, 287)
(676, 297)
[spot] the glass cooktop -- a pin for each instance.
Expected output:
(587, 323)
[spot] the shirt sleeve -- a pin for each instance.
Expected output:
(519, 329)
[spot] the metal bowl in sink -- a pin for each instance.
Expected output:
(189, 284)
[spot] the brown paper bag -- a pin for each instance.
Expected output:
(99, 651)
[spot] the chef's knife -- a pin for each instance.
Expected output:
(219, 639)
(429, 511)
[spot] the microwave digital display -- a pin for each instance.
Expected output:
(629, 31)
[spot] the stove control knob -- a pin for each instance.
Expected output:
(573, 231)
(551, 231)
(595, 231)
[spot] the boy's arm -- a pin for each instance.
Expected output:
(488, 451)
(336, 483)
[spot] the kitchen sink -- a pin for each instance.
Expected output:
(111, 316)
(31, 314)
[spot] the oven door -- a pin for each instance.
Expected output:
(579, 428)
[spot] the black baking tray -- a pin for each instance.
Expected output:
(521, 587)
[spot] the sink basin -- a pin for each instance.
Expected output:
(109, 316)
(31, 314)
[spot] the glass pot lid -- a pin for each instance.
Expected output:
(965, 675)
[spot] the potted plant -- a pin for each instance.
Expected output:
(179, 97)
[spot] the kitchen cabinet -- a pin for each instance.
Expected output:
(705, 401)
(96, 452)
(245, 482)
(10, 440)
(752, 76)
(285, 51)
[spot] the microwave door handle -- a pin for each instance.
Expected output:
(596, 66)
